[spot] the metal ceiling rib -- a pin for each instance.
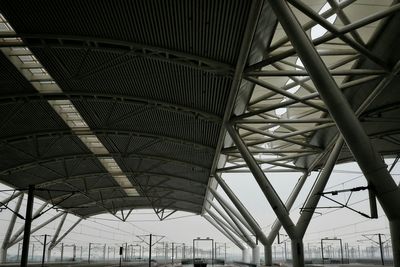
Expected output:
(151, 99)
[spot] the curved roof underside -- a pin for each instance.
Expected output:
(154, 81)
(151, 79)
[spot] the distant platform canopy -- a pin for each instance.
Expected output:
(112, 105)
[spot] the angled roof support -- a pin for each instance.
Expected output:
(241, 208)
(353, 133)
(55, 236)
(67, 232)
(232, 209)
(11, 224)
(8, 199)
(21, 229)
(232, 225)
(13, 242)
(266, 187)
(225, 233)
(226, 225)
(314, 196)
(235, 223)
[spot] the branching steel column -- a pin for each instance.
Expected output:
(27, 229)
(277, 224)
(219, 228)
(266, 187)
(55, 236)
(365, 154)
(10, 228)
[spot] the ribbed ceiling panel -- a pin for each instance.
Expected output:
(133, 117)
(208, 28)
(136, 76)
(11, 80)
(27, 117)
(164, 120)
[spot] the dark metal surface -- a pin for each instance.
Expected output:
(151, 79)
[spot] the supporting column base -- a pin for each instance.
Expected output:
(297, 252)
(246, 257)
(256, 255)
(268, 254)
(395, 235)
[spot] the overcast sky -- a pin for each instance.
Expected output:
(184, 227)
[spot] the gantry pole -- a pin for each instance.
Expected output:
(27, 228)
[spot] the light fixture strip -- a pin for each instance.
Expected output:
(29, 66)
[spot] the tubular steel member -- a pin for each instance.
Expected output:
(236, 223)
(232, 210)
(27, 228)
(225, 225)
(21, 229)
(356, 139)
(240, 207)
(10, 228)
(224, 232)
(277, 224)
(266, 187)
(238, 229)
(55, 236)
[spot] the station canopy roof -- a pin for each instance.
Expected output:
(108, 105)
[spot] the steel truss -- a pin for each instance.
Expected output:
(298, 93)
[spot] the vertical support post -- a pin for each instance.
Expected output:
(225, 254)
(33, 251)
(62, 252)
(381, 248)
(10, 228)
(27, 228)
(268, 254)
(19, 249)
(126, 251)
(212, 252)
(150, 244)
(90, 247)
(74, 253)
(322, 251)
(172, 253)
(44, 249)
(341, 251)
